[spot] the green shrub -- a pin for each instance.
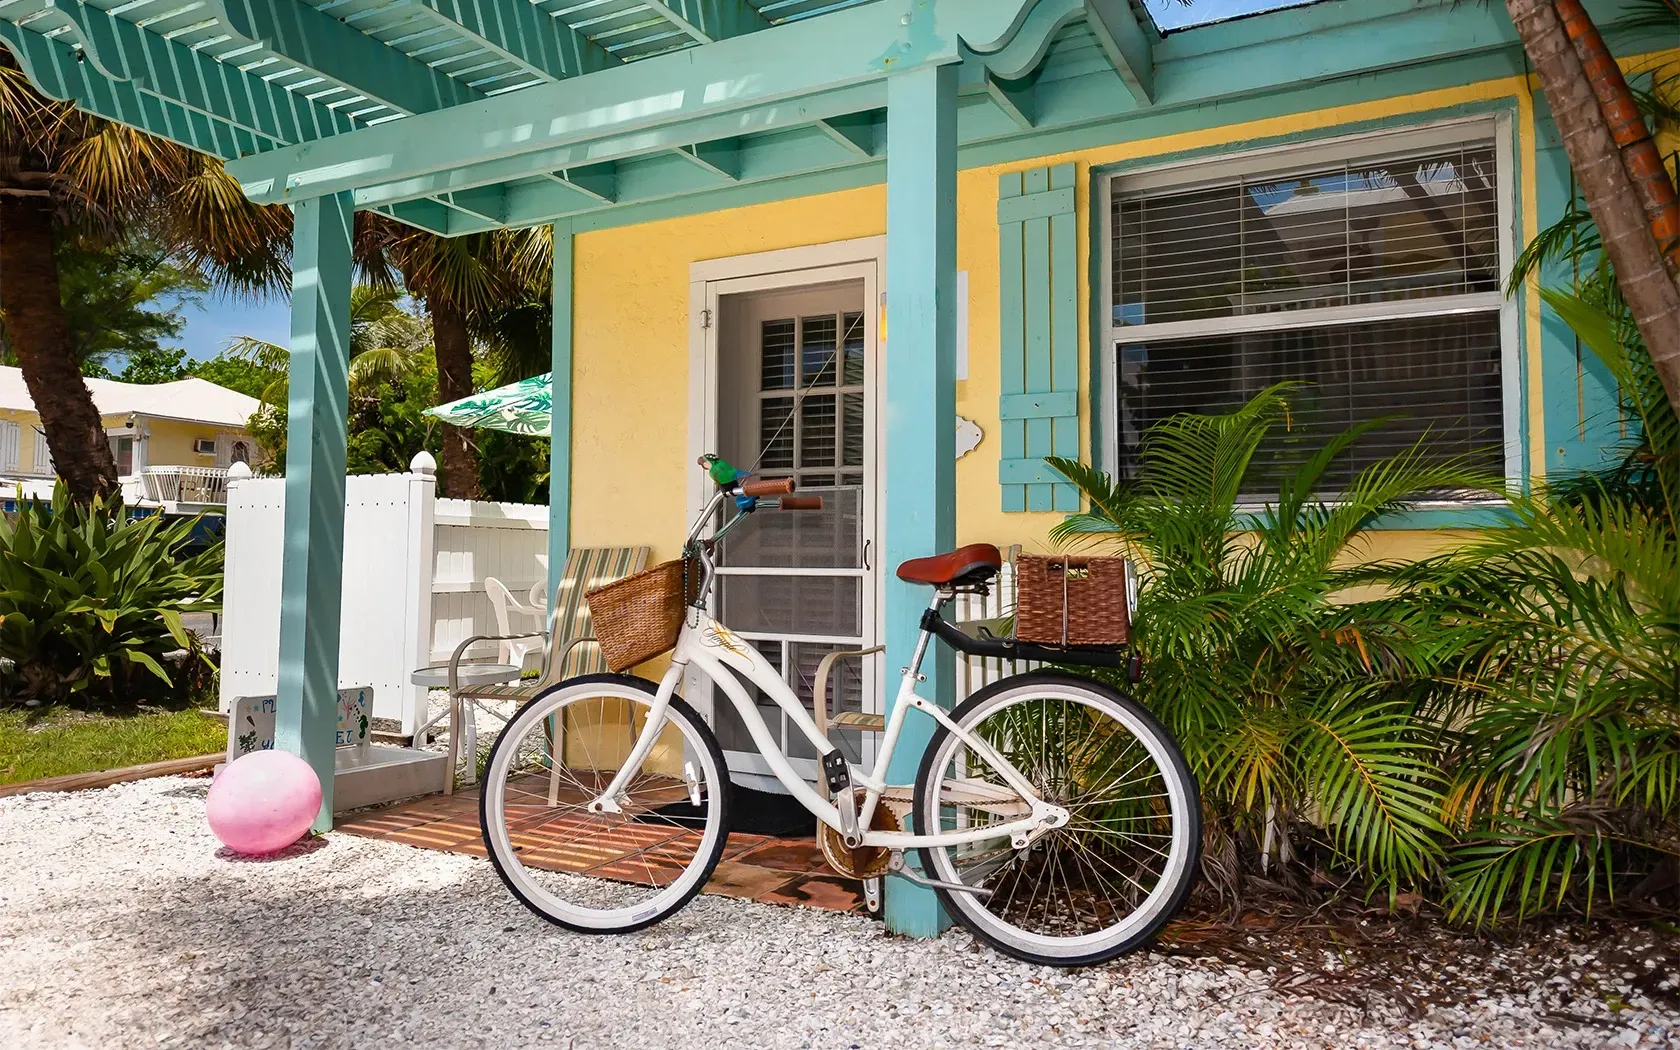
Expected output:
(91, 602)
(1564, 749)
(1299, 710)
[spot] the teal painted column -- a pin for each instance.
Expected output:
(560, 401)
(921, 391)
(312, 567)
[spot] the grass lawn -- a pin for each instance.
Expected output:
(62, 741)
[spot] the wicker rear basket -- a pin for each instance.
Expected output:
(1071, 600)
(640, 616)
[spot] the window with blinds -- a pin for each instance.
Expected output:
(822, 358)
(1374, 279)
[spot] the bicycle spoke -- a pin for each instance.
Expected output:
(1101, 875)
(581, 864)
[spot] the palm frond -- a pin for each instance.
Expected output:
(1536, 861)
(1376, 784)
(1573, 238)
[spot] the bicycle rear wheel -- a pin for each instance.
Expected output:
(598, 872)
(1105, 882)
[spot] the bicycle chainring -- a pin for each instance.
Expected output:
(865, 862)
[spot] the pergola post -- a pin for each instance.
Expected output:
(920, 355)
(312, 566)
(560, 405)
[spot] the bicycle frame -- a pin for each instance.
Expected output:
(712, 648)
(721, 655)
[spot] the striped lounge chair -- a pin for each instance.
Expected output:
(570, 648)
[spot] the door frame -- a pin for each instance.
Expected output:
(786, 269)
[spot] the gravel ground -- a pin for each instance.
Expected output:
(122, 925)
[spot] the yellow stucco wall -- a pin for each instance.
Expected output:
(168, 444)
(631, 461)
(27, 422)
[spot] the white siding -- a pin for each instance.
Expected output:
(42, 463)
(11, 434)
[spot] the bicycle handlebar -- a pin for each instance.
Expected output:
(801, 503)
(767, 487)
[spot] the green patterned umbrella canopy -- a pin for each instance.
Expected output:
(518, 408)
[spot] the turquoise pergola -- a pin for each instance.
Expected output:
(457, 116)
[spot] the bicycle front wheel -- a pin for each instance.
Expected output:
(1103, 883)
(593, 871)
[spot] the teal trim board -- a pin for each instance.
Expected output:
(1584, 428)
(312, 565)
(1038, 341)
(560, 408)
(921, 409)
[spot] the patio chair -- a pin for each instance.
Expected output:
(569, 646)
(513, 649)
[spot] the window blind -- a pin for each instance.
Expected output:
(1375, 281)
(1359, 233)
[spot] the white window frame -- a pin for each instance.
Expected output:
(1282, 160)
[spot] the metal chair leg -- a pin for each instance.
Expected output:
(454, 745)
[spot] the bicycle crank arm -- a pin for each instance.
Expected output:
(896, 865)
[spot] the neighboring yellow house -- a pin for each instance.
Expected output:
(173, 442)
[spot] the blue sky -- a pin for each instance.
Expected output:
(212, 323)
(217, 319)
(1171, 14)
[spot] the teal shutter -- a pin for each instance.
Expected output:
(1039, 309)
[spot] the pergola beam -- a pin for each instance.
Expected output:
(123, 51)
(54, 68)
(524, 33)
(570, 163)
(707, 20)
(1017, 100)
(1126, 43)
(722, 158)
(596, 182)
(320, 43)
(778, 66)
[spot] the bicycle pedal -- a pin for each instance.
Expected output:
(837, 773)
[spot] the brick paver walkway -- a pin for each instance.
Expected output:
(769, 870)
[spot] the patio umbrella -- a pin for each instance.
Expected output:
(518, 408)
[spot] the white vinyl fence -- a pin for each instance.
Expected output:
(414, 571)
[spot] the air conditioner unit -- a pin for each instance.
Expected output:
(205, 446)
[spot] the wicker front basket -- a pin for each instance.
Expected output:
(1074, 600)
(640, 616)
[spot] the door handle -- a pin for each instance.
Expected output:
(866, 544)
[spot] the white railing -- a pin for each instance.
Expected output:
(976, 672)
(200, 485)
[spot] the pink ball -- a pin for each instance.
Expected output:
(263, 802)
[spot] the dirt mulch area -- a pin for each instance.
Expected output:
(1343, 950)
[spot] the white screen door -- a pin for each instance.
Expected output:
(795, 377)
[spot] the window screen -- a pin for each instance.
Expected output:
(1374, 280)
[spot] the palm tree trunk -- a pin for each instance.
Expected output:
(452, 344)
(1651, 295)
(1627, 130)
(40, 336)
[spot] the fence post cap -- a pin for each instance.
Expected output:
(238, 470)
(423, 463)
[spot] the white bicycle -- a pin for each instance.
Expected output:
(1054, 817)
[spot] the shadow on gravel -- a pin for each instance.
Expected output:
(301, 848)
(335, 953)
